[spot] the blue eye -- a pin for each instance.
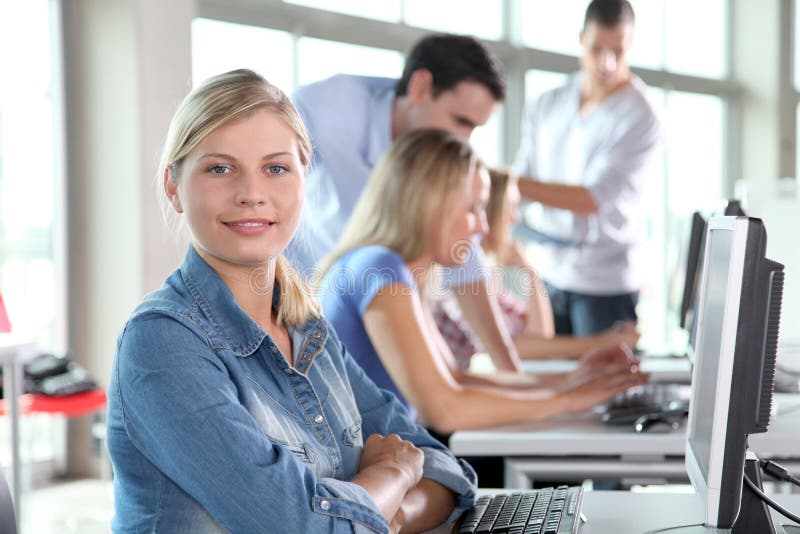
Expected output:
(277, 169)
(218, 169)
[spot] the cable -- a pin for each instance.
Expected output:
(666, 529)
(776, 470)
(777, 507)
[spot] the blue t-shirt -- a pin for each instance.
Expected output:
(346, 292)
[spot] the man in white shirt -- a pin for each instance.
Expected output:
(585, 155)
(450, 82)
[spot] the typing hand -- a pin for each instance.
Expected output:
(623, 332)
(602, 388)
(394, 452)
(613, 359)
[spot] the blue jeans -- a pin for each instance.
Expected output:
(584, 315)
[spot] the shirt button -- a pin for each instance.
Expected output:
(288, 370)
(325, 505)
(319, 419)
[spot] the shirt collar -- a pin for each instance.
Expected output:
(232, 327)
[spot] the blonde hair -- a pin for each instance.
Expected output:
(496, 239)
(419, 174)
(220, 100)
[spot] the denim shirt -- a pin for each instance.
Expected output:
(211, 430)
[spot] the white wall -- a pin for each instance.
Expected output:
(127, 65)
(756, 64)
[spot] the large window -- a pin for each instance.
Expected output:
(682, 36)
(539, 46)
(31, 202)
(32, 233)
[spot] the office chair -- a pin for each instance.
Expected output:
(8, 520)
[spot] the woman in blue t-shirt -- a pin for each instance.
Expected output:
(422, 207)
(232, 404)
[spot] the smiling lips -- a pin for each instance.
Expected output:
(249, 226)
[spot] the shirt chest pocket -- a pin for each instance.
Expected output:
(279, 424)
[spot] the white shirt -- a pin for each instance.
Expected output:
(609, 152)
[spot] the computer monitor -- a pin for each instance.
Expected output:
(697, 234)
(738, 313)
(734, 207)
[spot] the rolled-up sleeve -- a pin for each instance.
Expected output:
(620, 171)
(382, 413)
(341, 499)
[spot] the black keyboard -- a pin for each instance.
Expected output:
(660, 398)
(539, 511)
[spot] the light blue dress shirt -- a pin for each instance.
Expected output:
(211, 430)
(349, 119)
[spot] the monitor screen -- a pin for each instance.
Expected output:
(737, 316)
(693, 262)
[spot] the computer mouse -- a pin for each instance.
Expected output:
(656, 423)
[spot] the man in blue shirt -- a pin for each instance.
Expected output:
(449, 82)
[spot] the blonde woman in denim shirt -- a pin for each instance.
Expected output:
(232, 404)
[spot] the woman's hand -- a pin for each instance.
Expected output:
(601, 374)
(601, 389)
(395, 453)
(601, 361)
(624, 332)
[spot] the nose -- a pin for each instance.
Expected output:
(249, 191)
(608, 61)
(482, 227)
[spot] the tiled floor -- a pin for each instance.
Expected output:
(75, 507)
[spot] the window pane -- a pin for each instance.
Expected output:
(318, 59)
(696, 36)
(388, 10)
(648, 36)
(481, 18)
(694, 163)
(222, 46)
(693, 181)
(553, 26)
(28, 192)
(486, 139)
(556, 26)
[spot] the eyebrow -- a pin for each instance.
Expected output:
(231, 158)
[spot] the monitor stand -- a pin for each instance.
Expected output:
(754, 513)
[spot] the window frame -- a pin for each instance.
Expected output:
(302, 21)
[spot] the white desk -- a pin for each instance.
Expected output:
(13, 355)
(621, 512)
(661, 369)
(580, 447)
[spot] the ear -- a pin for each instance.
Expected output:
(420, 85)
(171, 190)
